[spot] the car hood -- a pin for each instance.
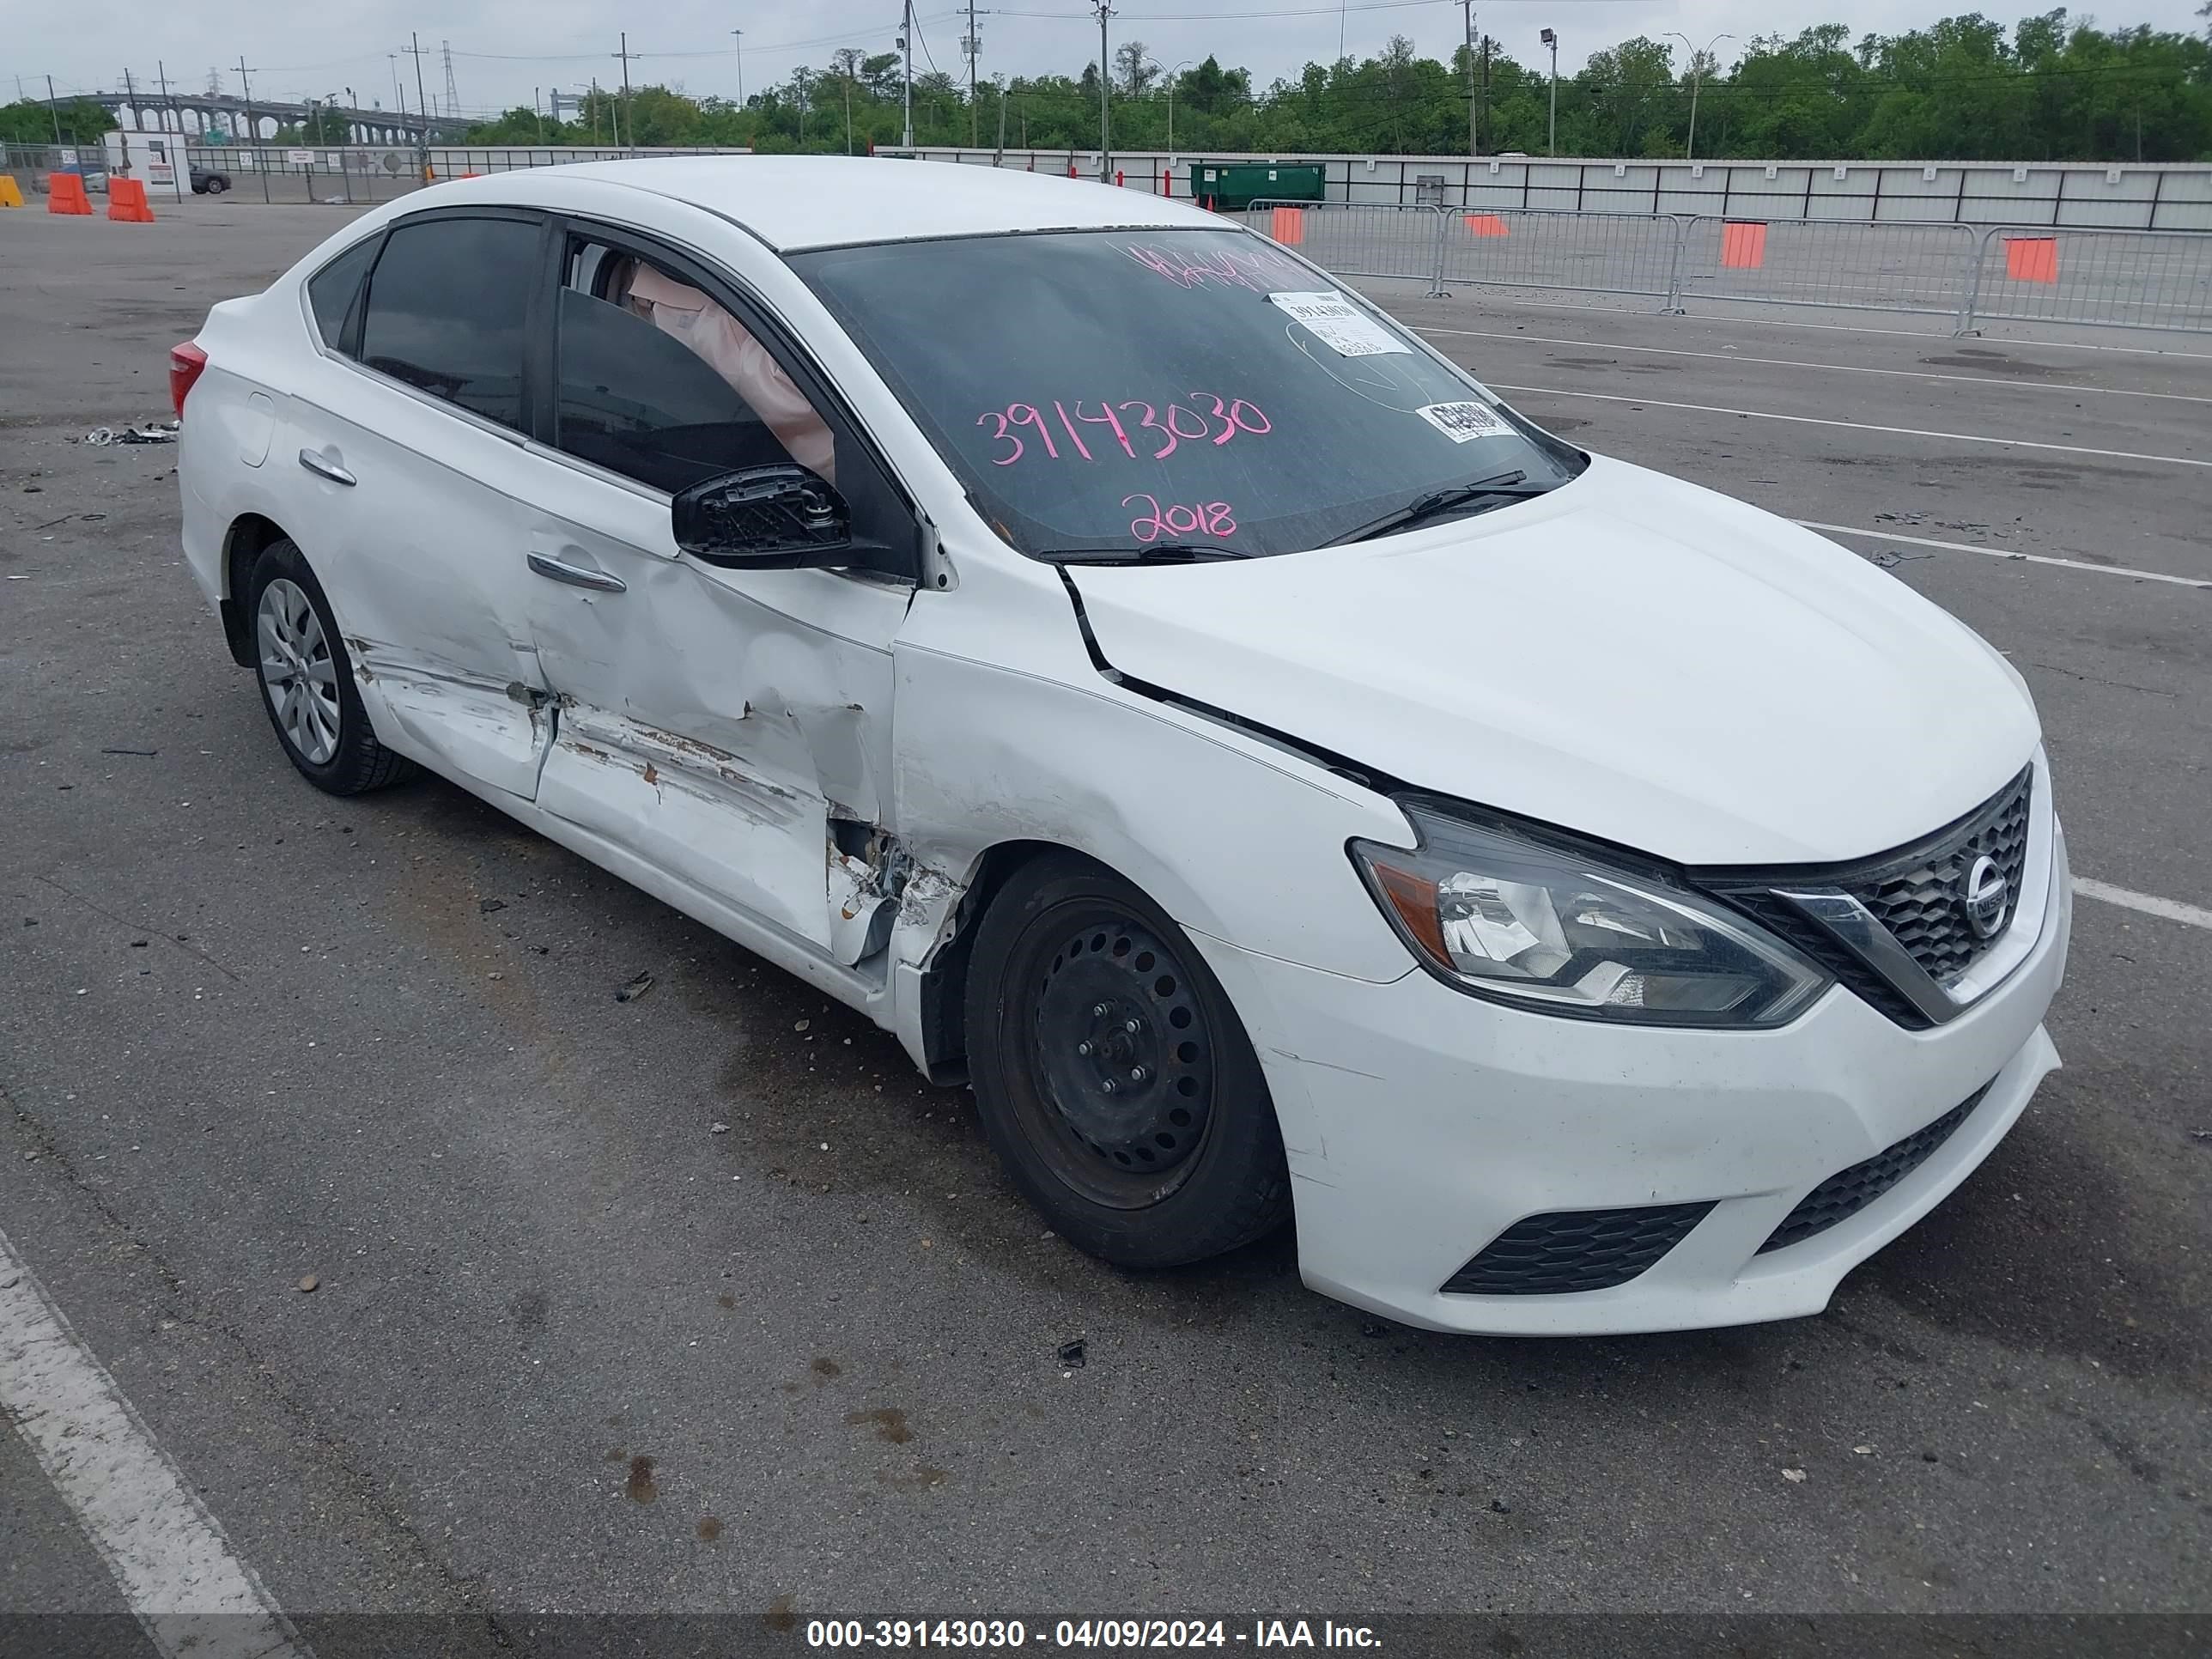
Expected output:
(1630, 656)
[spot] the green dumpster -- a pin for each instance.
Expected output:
(1231, 185)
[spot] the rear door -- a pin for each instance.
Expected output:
(733, 728)
(410, 435)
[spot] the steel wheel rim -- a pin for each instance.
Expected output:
(1123, 1060)
(297, 674)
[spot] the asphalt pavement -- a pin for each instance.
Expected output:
(705, 1304)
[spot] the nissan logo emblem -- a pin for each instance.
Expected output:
(1986, 897)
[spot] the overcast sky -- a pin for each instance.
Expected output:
(504, 49)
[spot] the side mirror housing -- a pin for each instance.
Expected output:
(782, 517)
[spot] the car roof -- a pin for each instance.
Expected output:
(795, 202)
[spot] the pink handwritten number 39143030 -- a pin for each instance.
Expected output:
(1168, 431)
(1211, 517)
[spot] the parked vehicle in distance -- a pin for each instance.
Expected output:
(1167, 693)
(206, 181)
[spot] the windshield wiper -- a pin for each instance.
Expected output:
(1146, 553)
(1506, 486)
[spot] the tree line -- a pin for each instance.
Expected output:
(2051, 89)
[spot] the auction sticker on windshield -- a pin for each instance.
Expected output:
(1462, 421)
(1330, 317)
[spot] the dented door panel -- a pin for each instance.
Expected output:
(431, 603)
(733, 727)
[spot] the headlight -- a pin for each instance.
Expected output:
(1545, 927)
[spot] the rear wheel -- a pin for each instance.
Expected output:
(216, 187)
(306, 679)
(1115, 1081)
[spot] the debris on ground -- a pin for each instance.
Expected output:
(1072, 1354)
(1863, 1452)
(308, 1283)
(485, 907)
(143, 754)
(153, 432)
(636, 988)
(1794, 1477)
(718, 1128)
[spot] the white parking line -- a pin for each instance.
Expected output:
(167, 1553)
(1854, 426)
(2005, 553)
(2171, 909)
(1838, 368)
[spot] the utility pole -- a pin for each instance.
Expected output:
(53, 109)
(738, 53)
(253, 127)
(1551, 39)
(624, 55)
(848, 114)
(1105, 86)
(130, 93)
(999, 160)
(179, 163)
(971, 45)
(1473, 148)
(540, 113)
(422, 107)
(906, 45)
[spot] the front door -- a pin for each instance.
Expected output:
(732, 728)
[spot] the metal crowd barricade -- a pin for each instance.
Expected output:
(1357, 239)
(1561, 251)
(1835, 264)
(2117, 278)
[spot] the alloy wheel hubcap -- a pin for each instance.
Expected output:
(297, 673)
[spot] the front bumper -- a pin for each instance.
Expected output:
(1421, 1123)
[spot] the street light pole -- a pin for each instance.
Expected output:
(738, 53)
(1172, 73)
(1696, 77)
(1551, 39)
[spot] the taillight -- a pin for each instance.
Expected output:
(186, 362)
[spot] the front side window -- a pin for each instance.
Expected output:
(446, 307)
(658, 381)
(1110, 391)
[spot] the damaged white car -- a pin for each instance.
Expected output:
(1167, 694)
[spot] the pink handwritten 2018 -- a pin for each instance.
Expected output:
(1168, 432)
(1214, 517)
(1251, 271)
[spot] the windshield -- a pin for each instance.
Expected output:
(1116, 391)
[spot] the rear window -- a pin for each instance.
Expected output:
(331, 290)
(1108, 389)
(446, 308)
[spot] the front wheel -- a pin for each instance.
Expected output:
(216, 187)
(1115, 1081)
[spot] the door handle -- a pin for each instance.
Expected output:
(323, 469)
(576, 575)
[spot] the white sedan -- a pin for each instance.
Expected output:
(1281, 778)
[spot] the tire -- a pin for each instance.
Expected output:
(1148, 1148)
(217, 186)
(306, 676)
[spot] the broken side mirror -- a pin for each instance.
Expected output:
(782, 517)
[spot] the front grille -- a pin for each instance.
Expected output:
(1575, 1250)
(1916, 892)
(1847, 1192)
(1917, 898)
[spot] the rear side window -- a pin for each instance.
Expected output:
(446, 304)
(331, 290)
